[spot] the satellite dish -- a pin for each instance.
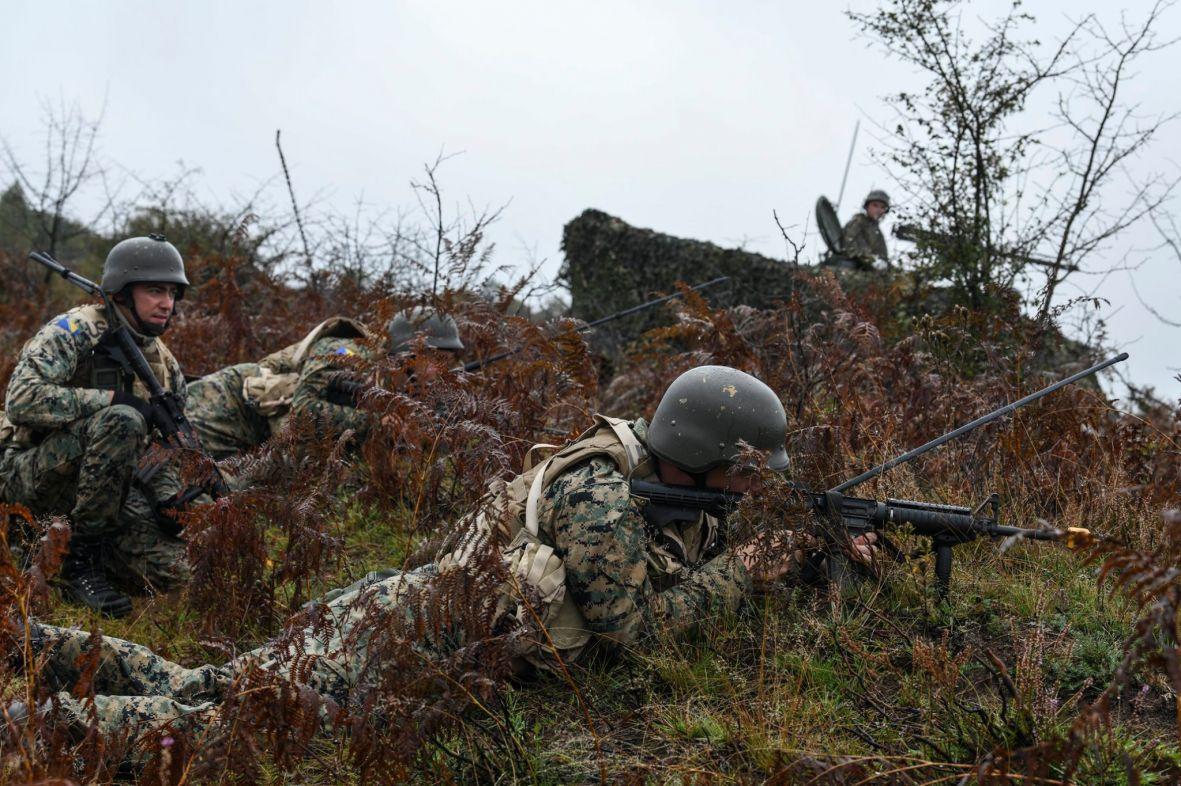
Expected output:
(829, 224)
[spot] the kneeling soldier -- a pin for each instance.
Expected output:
(76, 423)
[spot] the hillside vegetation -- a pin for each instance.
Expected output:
(1045, 664)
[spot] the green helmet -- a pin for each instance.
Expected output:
(440, 329)
(877, 195)
(708, 410)
(143, 259)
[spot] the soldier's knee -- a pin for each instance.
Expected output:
(122, 418)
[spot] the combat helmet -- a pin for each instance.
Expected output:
(440, 329)
(877, 195)
(708, 410)
(143, 259)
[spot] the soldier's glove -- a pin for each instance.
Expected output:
(135, 402)
(152, 414)
(165, 510)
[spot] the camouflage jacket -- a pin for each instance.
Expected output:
(64, 374)
(862, 240)
(627, 578)
(327, 358)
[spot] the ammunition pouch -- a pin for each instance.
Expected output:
(270, 393)
(106, 373)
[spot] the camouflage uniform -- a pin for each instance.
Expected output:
(862, 241)
(138, 690)
(309, 398)
(67, 451)
(222, 417)
(627, 578)
(229, 420)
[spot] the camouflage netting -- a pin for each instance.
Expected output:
(611, 265)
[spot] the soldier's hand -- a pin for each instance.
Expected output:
(125, 399)
(769, 557)
(864, 548)
(153, 413)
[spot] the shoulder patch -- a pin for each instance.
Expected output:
(344, 351)
(70, 325)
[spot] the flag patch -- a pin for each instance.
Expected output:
(71, 326)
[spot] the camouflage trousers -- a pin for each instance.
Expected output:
(137, 691)
(225, 422)
(84, 471)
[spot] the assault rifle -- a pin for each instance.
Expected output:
(167, 413)
(347, 391)
(344, 391)
(927, 237)
(843, 518)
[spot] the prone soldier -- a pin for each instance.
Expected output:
(594, 565)
(77, 422)
(240, 407)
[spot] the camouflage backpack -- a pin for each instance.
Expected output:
(271, 390)
(510, 509)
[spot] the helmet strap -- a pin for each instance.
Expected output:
(124, 298)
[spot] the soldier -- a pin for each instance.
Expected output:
(76, 423)
(579, 553)
(862, 240)
(241, 406)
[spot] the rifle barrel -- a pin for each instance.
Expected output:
(472, 365)
(648, 304)
(57, 267)
(980, 421)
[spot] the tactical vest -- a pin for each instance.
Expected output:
(511, 510)
(95, 368)
(270, 390)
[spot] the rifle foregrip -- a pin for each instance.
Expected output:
(935, 521)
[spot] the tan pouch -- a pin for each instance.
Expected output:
(292, 358)
(270, 393)
(533, 564)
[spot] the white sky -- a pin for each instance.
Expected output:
(692, 118)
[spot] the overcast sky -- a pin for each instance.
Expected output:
(692, 118)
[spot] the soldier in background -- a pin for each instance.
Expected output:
(240, 407)
(76, 423)
(580, 555)
(862, 240)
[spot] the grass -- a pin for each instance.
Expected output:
(798, 683)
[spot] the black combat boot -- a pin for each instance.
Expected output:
(84, 581)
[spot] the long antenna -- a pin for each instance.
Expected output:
(964, 429)
(307, 252)
(848, 161)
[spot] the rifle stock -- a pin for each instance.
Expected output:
(343, 391)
